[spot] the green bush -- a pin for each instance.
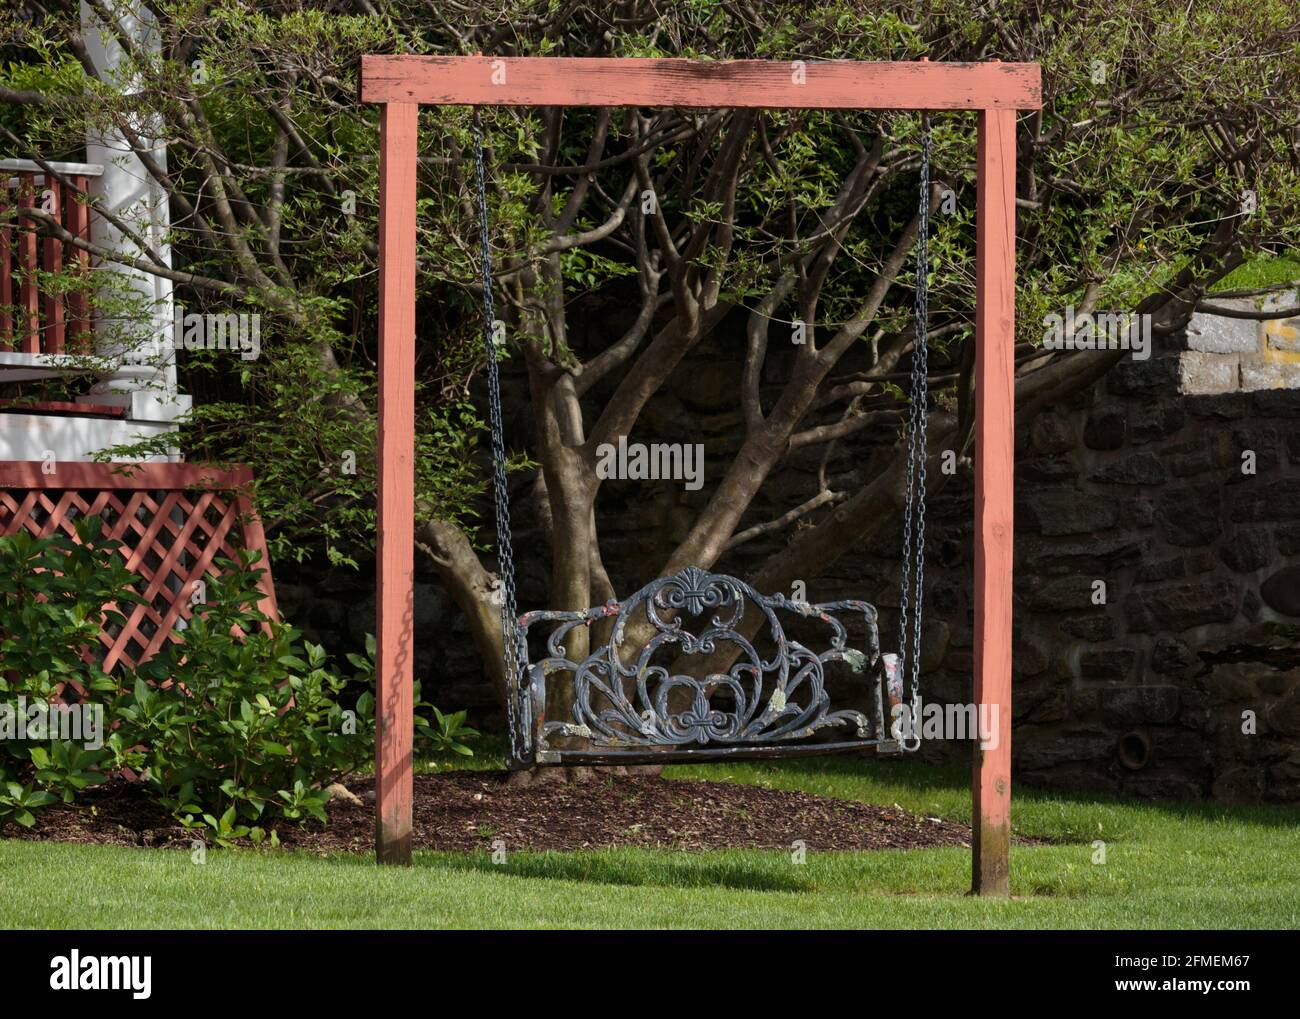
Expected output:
(236, 728)
(53, 593)
(240, 725)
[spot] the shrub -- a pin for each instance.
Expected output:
(239, 725)
(53, 593)
(445, 732)
(236, 727)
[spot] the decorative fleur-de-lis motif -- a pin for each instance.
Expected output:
(694, 590)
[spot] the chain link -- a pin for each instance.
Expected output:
(518, 715)
(913, 584)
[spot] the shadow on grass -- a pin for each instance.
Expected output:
(919, 777)
(1203, 810)
(751, 870)
(922, 779)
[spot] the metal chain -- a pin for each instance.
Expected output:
(517, 713)
(914, 533)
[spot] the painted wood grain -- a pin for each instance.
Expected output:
(994, 492)
(6, 273)
(80, 333)
(29, 296)
(607, 81)
(54, 263)
(394, 707)
(72, 474)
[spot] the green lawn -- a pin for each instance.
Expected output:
(1167, 865)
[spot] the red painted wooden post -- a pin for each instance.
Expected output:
(394, 708)
(79, 300)
(995, 311)
(255, 538)
(29, 316)
(6, 275)
(54, 263)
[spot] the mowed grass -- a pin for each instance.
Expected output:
(1190, 865)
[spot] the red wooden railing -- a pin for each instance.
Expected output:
(37, 319)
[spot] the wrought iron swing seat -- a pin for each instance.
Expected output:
(700, 665)
(629, 704)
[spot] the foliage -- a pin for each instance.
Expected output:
(237, 727)
(240, 725)
(446, 733)
(53, 597)
(1264, 271)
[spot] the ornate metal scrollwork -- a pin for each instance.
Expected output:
(626, 703)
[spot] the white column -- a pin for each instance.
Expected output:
(140, 343)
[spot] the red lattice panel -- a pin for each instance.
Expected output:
(173, 520)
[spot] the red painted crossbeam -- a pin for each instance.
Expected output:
(791, 84)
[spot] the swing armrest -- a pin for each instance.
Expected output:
(536, 696)
(886, 669)
(891, 687)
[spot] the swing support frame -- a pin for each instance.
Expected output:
(995, 90)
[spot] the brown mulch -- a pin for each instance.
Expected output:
(471, 810)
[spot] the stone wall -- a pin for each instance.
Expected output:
(1154, 495)
(1142, 687)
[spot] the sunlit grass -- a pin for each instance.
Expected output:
(1166, 865)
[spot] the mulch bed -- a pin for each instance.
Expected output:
(471, 810)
